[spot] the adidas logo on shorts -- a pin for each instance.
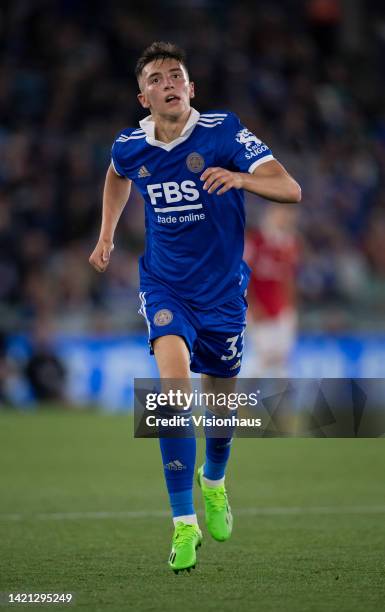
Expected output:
(236, 365)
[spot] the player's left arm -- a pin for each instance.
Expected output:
(269, 180)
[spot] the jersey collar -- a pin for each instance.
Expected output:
(148, 126)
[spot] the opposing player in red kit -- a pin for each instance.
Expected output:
(272, 252)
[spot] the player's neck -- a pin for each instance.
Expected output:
(168, 128)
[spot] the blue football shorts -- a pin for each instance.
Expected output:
(214, 336)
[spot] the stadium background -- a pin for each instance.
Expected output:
(306, 76)
(83, 506)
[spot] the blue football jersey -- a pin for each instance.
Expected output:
(194, 240)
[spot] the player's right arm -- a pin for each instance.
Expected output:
(116, 193)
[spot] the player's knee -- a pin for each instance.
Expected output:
(178, 393)
(220, 395)
(220, 411)
(172, 356)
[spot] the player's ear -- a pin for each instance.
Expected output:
(142, 100)
(192, 90)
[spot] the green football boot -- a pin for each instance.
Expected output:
(219, 519)
(185, 541)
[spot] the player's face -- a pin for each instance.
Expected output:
(165, 88)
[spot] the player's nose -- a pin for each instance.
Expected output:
(168, 83)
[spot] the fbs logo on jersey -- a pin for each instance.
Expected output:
(253, 145)
(172, 192)
(143, 172)
(163, 317)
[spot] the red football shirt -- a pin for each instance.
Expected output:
(273, 259)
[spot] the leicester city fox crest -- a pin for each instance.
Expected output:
(195, 162)
(163, 317)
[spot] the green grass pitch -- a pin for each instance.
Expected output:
(81, 506)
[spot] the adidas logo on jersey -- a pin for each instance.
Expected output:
(143, 172)
(175, 465)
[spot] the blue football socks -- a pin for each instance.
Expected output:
(178, 455)
(217, 449)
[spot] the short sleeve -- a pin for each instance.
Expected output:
(115, 157)
(239, 148)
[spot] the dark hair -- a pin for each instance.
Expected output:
(159, 50)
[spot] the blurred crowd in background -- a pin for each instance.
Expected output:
(307, 76)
